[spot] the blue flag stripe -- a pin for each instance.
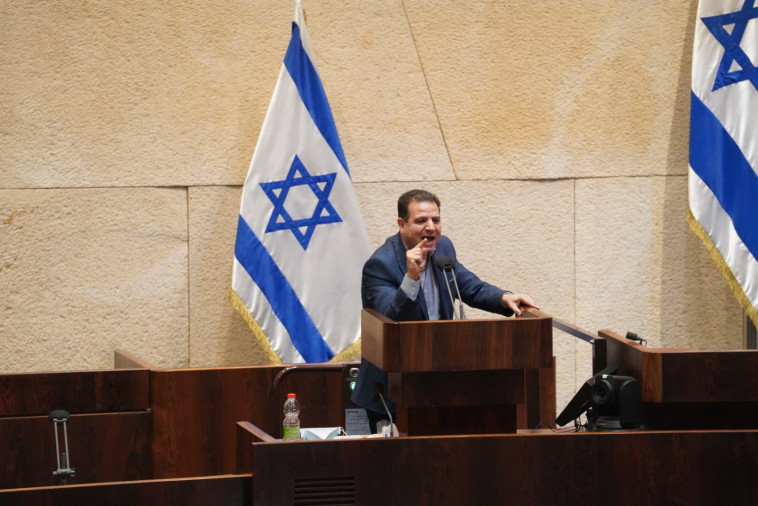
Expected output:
(312, 92)
(257, 261)
(718, 161)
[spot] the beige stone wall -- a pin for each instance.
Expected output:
(555, 134)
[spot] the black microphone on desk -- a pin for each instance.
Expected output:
(447, 265)
(634, 337)
(377, 389)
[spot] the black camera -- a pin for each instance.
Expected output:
(616, 402)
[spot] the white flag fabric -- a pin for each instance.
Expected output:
(723, 172)
(301, 242)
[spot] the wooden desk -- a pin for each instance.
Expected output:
(232, 490)
(687, 389)
(464, 376)
(139, 424)
(633, 468)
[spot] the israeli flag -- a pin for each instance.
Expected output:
(723, 173)
(301, 242)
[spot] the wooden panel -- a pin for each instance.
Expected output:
(529, 414)
(186, 428)
(196, 413)
(457, 388)
(226, 490)
(76, 392)
(546, 399)
(457, 402)
(726, 376)
(538, 408)
(680, 375)
(102, 447)
(700, 416)
(599, 355)
(247, 434)
(245, 440)
(466, 345)
(513, 343)
(439, 421)
(534, 469)
(686, 389)
(464, 364)
(374, 327)
(628, 357)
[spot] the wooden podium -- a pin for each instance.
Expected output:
(685, 389)
(465, 376)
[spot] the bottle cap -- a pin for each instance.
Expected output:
(290, 396)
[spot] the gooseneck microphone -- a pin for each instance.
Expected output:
(447, 265)
(377, 389)
(634, 337)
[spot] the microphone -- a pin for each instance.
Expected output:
(634, 337)
(377, 389)
(446, 264)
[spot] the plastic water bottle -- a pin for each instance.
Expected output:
(291, 418)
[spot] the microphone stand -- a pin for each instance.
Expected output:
(446, 264)
(450, 292)
(381, 398)
(378, 389)
(60, 418)
(461, 314)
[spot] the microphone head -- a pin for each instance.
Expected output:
(445, 263)
(377, 389)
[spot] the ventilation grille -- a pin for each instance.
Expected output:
(325, 491)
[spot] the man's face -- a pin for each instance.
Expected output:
(423, 222)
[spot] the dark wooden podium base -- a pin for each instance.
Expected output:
(442, 421)
(457, 402)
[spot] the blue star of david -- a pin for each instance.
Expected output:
(732, 50)
(301, 227)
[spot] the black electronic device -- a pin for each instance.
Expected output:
(617, 402)
(582, 400)
(634, 337)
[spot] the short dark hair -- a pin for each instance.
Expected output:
(414, 196)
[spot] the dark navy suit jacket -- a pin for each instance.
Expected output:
(383, 273)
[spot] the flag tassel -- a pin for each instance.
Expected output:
(350, 353)
(263, 341)
(700, 232)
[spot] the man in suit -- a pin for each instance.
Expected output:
(402, 281)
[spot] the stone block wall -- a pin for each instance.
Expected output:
(555, 134)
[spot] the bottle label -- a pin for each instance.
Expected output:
(292, 433)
